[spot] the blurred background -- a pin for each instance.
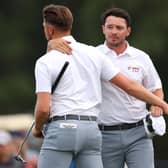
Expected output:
(22, 42)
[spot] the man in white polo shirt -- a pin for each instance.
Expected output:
(70, 113)
(124, 138)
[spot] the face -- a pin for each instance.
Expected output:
(116, 31)
(5, 153)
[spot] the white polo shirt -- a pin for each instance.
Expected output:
(79, 90)
(117, 106)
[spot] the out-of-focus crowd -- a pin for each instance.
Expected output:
(8, 149)
(13, 131)
(11, 138)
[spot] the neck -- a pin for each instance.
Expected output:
(120, 48)
(60, 34)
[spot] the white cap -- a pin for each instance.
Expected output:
(5, 137)
(157, 124)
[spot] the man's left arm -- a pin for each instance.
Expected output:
(41, 112)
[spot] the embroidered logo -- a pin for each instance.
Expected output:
(133, 69)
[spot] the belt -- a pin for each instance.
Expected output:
(124, 126)
(73, 117)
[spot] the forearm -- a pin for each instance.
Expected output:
(42, 109)
(159, 93)
(155, 110)
(41, 117)
(141, 93)
(137, 90)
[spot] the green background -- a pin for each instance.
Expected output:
(22, 42)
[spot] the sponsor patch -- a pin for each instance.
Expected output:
(68, 125)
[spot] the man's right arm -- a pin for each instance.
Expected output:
(135, 89)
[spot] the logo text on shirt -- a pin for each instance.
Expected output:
(133, 69)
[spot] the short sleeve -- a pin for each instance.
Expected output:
(151, 79)
(42, 77)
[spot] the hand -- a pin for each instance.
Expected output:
(60, 45)
(37, 133)
(156, 111)
(165, 108)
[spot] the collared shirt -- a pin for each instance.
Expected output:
(117, 106)
(79, 90)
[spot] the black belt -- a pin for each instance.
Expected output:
(73, 117)
(121, 126)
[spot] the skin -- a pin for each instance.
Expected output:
(5, 152)
(133, 88)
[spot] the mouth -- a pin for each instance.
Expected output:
(114, 39)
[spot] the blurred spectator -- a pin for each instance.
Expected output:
(6, 152)
(18, 138)
(32, 157)
(16, 126)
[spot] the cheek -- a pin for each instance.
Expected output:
(124, 34)
(107, 32)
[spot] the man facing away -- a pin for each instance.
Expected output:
(70, 114)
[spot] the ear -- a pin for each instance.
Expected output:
(103, 29)
(51, 30)
(128, 31)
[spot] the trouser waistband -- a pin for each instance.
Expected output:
(73, 117)
(121, 126)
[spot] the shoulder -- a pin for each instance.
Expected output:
(51, 57)
(85, 48)
(43, 57)
(139, 54)
(100, 46)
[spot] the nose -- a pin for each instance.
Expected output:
(114, 30)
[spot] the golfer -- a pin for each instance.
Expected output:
(70, 113)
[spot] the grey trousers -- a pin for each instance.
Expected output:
(127, 146)
(71, 139)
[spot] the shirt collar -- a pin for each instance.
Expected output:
(128, 50)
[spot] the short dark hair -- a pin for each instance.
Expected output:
(118, 12)
(59, 16)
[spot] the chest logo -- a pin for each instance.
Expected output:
(133, 69)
